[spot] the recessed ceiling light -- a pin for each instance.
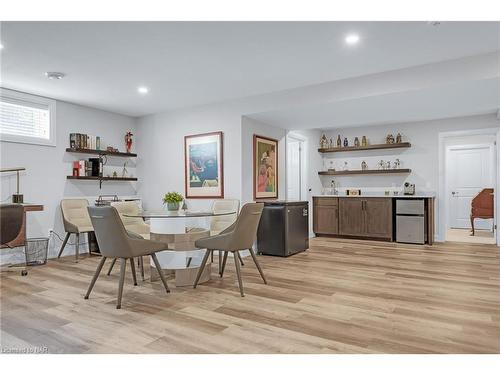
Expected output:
(54, 75)
(143, 90)
(352, 39)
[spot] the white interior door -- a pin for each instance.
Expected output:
(471, 170)
(294, 170)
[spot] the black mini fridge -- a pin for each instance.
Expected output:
(283, 228)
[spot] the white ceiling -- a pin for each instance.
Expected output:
(441, 101)
(194, 63)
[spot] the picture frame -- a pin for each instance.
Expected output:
(265, 167)
(204, 165)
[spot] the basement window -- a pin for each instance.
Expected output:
(26, 118)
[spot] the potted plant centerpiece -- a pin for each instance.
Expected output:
(173, 200)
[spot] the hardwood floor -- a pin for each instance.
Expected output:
(341, 296)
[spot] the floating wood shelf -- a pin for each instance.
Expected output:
(364, 148)
(101, 152)
(96, 178)
(367, 171)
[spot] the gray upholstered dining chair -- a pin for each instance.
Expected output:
(129, 212)
(116, 242)
(239, 236)
(76, 220)
(219, 223)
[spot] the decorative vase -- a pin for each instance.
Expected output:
(173, 206)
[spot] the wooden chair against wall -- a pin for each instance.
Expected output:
(11, 225)
(482, 206)
(11, 220)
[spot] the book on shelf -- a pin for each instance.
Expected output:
(92, 167)
(72, 140)
(81, 167)
(76, 168)
(78, 141)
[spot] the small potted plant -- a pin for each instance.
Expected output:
(172, 199)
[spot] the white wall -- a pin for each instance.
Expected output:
(249, 127)
(44, 180)
(160, 146)
(422, 158)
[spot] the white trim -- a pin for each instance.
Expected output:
(441, 195)
(497, 201)
(303, 160)
(51, 103)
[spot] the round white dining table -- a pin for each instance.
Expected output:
(177, 222)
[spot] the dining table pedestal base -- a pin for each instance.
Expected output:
(183, 258)
(185, 276)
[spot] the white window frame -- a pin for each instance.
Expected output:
(29, 98)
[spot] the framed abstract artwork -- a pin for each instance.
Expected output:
(203, 165)
(265, 167)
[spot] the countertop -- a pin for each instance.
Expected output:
(378, 195)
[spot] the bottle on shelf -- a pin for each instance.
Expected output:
(333, 188)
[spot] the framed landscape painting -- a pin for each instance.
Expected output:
(203, 165)
(265, 167)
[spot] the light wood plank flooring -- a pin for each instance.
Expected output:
(341, 296)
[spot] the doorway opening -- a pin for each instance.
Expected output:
(296, 180)
(469, 188)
